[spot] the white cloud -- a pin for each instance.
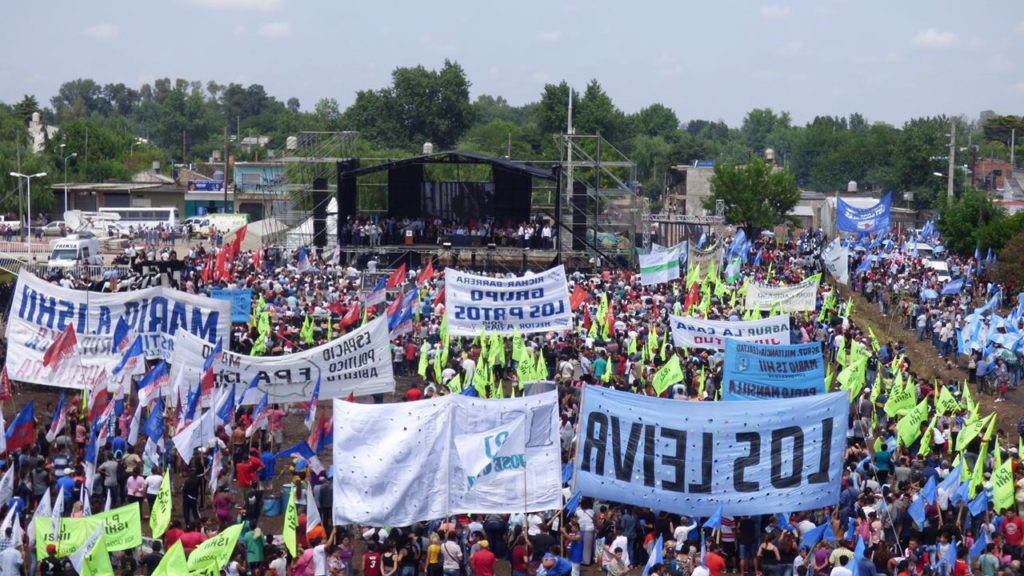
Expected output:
(999, 63)
(102, 31)
(262, 5)
(274, 30)
(1020, 28)
(775, 12)
(790, 48)
(549, 36)
(932, 39)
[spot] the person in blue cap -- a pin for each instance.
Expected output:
(551, 565)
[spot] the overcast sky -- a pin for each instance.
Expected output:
(890, 60)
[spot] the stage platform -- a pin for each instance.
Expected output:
(486, 258)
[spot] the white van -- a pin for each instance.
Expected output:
(227, 223)
(941, 270)
(70, 252)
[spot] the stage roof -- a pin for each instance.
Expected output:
(455, 157)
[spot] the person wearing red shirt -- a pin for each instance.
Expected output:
(483, 560)
(248, 472)
(173, 534)
(371, 561)
(1013, 532)
(192, 539)
(713, 560)
(520, 561)
(414, 393)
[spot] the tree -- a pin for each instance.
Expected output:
(599, 115)
(1011, 265)
(293, 105)
(655, 120)
(962, 222)
(26, 108)
(755, 196)
(553, 109)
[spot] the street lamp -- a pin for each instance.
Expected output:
(66, 158)
(28, 178)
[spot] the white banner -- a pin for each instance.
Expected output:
(837, 261)
(696, 333)
(534, 303)
(660, 266)
(397, 464)
(40, 311)
(699, 256)
(796, 298)
(358, 362)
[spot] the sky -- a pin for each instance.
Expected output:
(716, 60)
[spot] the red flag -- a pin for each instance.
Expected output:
(62, 347)
(208, 270)
(351, 318)
(99, 404)
(221, 265)
(426, 274)
(586, 317)
(207, 383)
(397, 277)
(609, 318)
(395, 306)
(240, 237)
(440, 297)
(579, 296)
(257, 258)
(692, 297)
(22, 430)
(351, 397)
(336, 308)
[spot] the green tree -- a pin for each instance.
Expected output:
(553, 109)
(599, 115)
(963, 221)
(655, 120)
(1011, 265)
(755, 196)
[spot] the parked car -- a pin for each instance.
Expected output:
(55, 228)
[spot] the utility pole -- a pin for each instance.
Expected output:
(225, 183)
(952, 161)
(1013, 137)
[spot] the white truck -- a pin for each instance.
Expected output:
(74, 251)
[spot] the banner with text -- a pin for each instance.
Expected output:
(434, 449)
(696, 333)
(123, 527)
(40, 311)
(690, 457)
(864, 220)
(241, 302)
(532, 303)
(760, 371)
(359, 362)
(795, 298)
(702, 256)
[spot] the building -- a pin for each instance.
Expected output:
(260, 189)
(40, 132)
(694, 186)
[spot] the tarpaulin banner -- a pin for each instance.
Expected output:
(398, 464)
(40, 311)
(123, 527)
(795, 298)
(864, 220)
(760, 371)
(690, 457)
(241, 302)
(702, 257)
(359, 362)
(696, 333)
(531, 303)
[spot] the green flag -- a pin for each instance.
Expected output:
(173, 563)
(160, 515)
(908, 430)
(421, 369)
(291, 522)
(669, 374)
(210, 556)
(970, 431)
(902, 397)
(455, 384)
(945, 403)
(1002, 486)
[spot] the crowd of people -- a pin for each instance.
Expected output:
(375, 232)
(873, 528)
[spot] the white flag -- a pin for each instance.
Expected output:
(478, 451)
(55, 514)
(83, 497)
(3, 437)
(837, 260)
(312, 512)
(7, 485)
(79, 557)
(199, 432)
(43, 510)
(106, 507)
(133, 431)
(659, 267)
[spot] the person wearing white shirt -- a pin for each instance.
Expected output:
(682, 533)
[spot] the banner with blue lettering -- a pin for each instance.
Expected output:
(692, 457)
(531, 303)
(40, 311)
(457, 454)
(241, 302)
(697, 333)
(759, 371)
(864, 220)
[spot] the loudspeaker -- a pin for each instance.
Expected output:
(579, 215)
(319, 194)
(348, 192)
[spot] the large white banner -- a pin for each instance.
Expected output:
(696, 333)
(796, 298)
(703, 256)
(40, 311)
(397, 464)
(534, 303)
(358, 362)
(837, 261)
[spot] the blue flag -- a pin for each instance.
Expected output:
(952, 481)
(120, 336)
(90, 448)
(154, 426)
(133, 351)
(253, 385)
(302, 449)
(227, 406)
(784, 522)
(21, 431)
(930, 491)
(858, 555)
(953, 288)
(470, 391)
(979, 505)
(656, 556)
(814, 535)
(962, 494)
(851, 526)
(979, 546)
(313, 401)
(829, 534)
(567, 472)
(715, 521)
(573, 503)
(916, 511)
(949, 557)
(218, 349)
(152, 381)
(192, 404)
